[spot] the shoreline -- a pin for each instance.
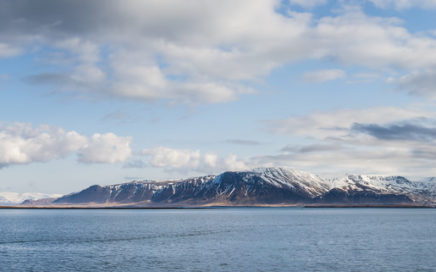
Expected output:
(127, 207)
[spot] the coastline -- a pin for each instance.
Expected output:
(133, 207)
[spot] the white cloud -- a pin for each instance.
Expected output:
(374, 42)
(21, 143)
(232, 163)
(404, 4)
(106, 148)
(186, 160)
(324, 75)
(173, 158)
(149, 83)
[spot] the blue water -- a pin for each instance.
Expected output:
(236, 239)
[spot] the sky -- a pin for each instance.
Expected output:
(105, 92)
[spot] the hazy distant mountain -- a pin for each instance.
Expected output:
(38, 202)
(12, 198)
(261, 186)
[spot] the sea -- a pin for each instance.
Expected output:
(218, 239)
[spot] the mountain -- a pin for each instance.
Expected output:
(260, 186)
(383, 189)
(38, 202)
(12, 198)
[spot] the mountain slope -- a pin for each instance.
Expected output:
(119, 193)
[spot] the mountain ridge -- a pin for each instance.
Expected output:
(259, 186)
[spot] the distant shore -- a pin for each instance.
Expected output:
(117, 207)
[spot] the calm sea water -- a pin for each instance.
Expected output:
(235, 239)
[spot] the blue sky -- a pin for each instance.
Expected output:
(105, 92)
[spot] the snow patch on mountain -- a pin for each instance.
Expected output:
(294, 179)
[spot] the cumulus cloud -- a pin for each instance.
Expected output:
(186, 160)
(323, 75)
(23, 144)
(198, 52)
(173, 158)
(355, 38)
(105, 148)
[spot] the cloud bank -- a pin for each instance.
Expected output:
(383, 140)
(194, 52)
(186, 160)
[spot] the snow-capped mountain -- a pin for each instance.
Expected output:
(418, 191)
(12, 198)
(261, 186)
